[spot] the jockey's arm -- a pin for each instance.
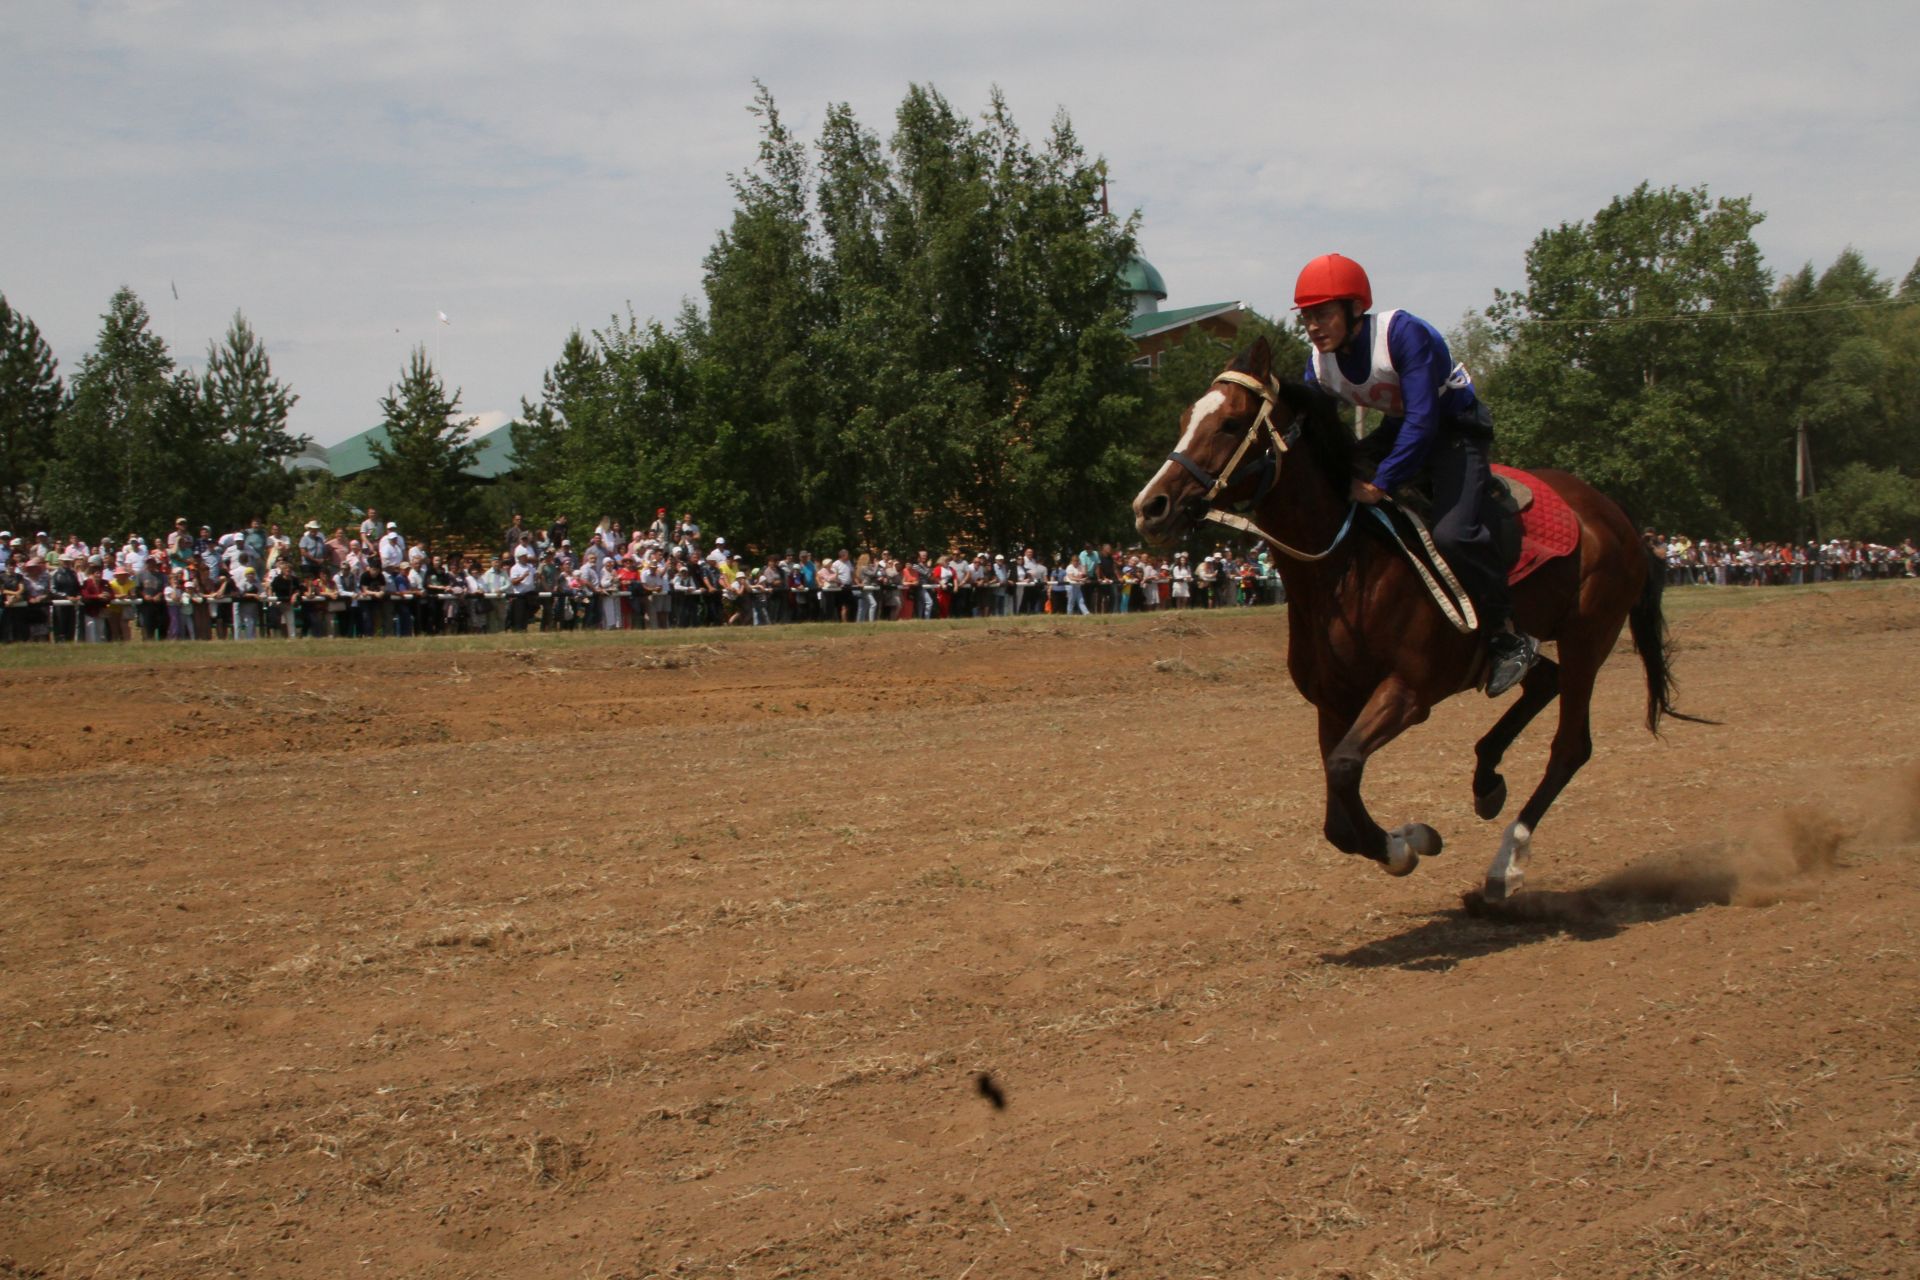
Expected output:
(1421, 359)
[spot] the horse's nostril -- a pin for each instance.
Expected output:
(1156, 507)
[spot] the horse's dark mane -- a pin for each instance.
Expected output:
(1327, 436)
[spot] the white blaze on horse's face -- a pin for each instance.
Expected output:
(1204, 408)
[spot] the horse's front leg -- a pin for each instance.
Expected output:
(1340, 829)
(1393, 708)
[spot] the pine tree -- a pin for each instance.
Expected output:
(419, 479)
(30, 394)
(766, 466)
(130, 444)
(248, 407)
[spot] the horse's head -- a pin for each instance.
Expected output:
(1231, 439)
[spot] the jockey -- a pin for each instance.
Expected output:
(1435, 427)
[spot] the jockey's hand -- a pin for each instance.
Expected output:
(1365, 492)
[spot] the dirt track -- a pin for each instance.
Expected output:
(620, 961)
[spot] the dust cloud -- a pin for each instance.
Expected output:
(1782, 858)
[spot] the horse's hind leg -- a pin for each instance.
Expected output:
(1572, 747)
(1541, 686)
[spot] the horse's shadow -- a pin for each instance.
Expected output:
(1481, 927)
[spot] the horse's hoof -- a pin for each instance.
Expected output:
(1490, 803)
(1406, 845)
(1509, 868)
(1419, 837)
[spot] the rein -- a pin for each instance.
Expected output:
(1271, 460)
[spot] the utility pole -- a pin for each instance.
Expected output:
(1803, 479)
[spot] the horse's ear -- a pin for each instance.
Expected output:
(1260, 358)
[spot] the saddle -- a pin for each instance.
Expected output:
(1510, 493)
(1535, 525)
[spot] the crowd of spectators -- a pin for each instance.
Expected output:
(369, 581)
(1746, 563)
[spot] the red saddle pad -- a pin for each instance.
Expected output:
(1548, 528)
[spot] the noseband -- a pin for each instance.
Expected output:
(1269, 463)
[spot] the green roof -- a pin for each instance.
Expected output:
(355, 454)
(1152, 322)
(1138, 276)
(496, 454)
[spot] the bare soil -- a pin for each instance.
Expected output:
(609, 959)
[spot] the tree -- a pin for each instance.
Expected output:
(419, 478)
(1868, 504)
(568, 391)
(1633, 357)
(30, 395)
(919, 342)
(247, 408)
(130, 445)
(766, 475)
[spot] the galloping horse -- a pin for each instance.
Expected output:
(1367, 645)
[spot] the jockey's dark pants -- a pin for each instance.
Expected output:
(1465, 524)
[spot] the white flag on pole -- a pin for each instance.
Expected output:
(443, 318)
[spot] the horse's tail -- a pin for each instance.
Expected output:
(1648, 624)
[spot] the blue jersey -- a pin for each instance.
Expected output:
(1410, 377)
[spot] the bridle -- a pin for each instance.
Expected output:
(1270, 462)
(1262, 425)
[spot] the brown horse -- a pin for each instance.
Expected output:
(1367, 645)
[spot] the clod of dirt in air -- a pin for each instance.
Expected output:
(990, 1090)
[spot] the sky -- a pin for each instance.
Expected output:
(343, 173)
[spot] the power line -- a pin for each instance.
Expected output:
(1767, 313)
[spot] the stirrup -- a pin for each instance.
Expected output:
(1511, 654)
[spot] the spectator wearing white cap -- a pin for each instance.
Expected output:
(520, 589)
(1002, 587)
(313, 550)
(1205, 578)
(393, 550)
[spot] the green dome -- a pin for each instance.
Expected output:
(1138, 276)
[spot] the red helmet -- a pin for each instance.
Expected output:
(1331, 276)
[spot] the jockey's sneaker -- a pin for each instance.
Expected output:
(1510, 655)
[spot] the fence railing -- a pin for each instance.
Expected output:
(69, 619)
